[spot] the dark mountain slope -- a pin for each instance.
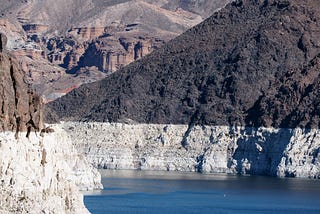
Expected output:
(253, 63)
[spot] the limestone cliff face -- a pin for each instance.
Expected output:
(207, 149)
(35, 178)
(82, 173)
(21, 109)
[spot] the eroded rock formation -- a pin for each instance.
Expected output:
(21, 108)
(35, 175)
(126, 50)
(40, 172)
(209, 149)
(91, 35)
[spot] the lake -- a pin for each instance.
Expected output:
(180, 192)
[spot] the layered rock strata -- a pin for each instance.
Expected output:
(208, 149)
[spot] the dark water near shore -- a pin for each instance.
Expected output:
(173, 192)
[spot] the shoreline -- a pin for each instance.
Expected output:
(206, 149)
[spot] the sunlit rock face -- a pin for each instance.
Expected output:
(206, 149)
(35, 176)
(240, 92)
(53, 38)
(40, 170)
(21, 108)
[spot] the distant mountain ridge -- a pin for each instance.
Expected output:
(253, 63)
(64, 43)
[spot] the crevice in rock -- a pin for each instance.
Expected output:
(192, 123)
(14, 84)
(3, 42)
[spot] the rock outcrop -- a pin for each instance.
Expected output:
(239, 94)
(21, 109)
(35, 177)
(83, 174)
(253, 63)
(40, 171)
(125, 51)
(210, 149)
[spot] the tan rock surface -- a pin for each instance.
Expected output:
(90, 34)
(21, 107)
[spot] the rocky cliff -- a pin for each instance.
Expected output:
(40, 171)
(253, 63)
(35, 177)
(21, 109)
(209, 149)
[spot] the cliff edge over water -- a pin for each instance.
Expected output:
(208, 149)
(35, 176)
(40, 172)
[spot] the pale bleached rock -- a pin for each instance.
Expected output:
(35, 176)
(302, 155)
(85, 176)
(207, 149)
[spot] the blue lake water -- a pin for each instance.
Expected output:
(173, 192)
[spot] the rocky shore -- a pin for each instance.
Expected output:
(207, 149)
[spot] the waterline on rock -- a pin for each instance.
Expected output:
(208, 149)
